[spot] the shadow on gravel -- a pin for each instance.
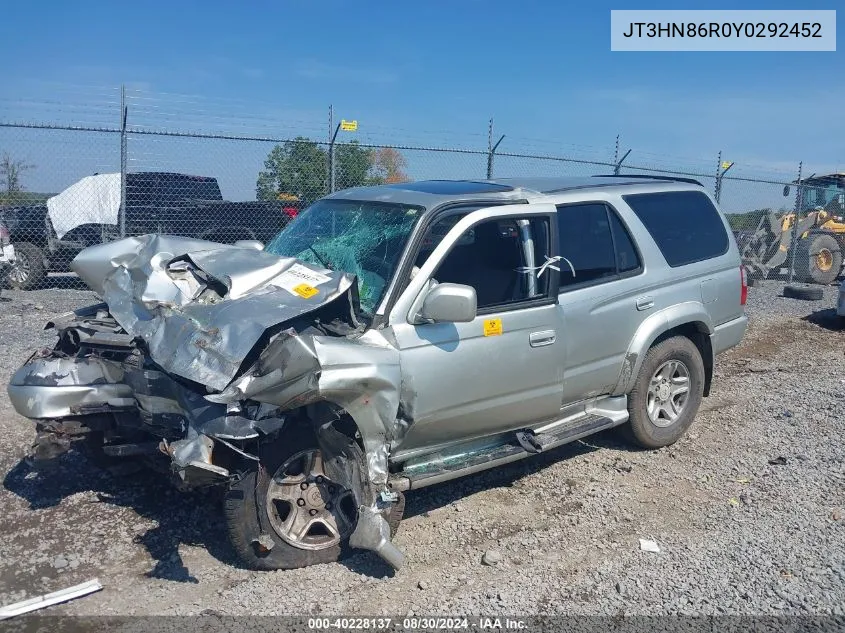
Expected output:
(441, 495)
(828, 319)
(192, 518)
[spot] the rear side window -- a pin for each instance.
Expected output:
(595, 243)
(685, 225)
(626, 254)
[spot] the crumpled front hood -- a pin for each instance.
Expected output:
(201, 306)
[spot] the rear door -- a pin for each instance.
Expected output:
(502, 370)
(601, 295)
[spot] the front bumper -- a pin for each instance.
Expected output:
(50, 387)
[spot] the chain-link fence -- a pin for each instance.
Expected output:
(64, 187)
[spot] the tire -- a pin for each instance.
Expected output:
(254, 516)
(819, 259)
(650, 433)
(806, 293)
(28, 271)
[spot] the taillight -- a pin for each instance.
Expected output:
(743, 297)
(291, 212)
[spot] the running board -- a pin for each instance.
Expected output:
(514, 447)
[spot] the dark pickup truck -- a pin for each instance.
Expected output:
(46, 237)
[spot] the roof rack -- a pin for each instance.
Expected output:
(692, 181)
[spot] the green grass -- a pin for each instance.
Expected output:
(23, 197)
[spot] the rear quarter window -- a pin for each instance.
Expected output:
(685, 225)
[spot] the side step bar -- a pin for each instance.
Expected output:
(513, 448)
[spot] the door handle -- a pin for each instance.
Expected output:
(644, 303)
(540, 339)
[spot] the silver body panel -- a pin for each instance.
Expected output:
(560, 364)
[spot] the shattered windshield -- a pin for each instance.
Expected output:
(362, 238)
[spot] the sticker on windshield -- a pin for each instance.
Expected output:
(492, 327)
(305, 291)
(298, 279)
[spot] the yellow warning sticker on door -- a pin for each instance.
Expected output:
(305, 291)
(492, 327)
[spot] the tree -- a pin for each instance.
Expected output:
(10, 173)
(389, 165)
(300, 167)
(294, 167)
(353, 165)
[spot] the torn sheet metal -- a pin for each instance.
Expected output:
(372, 532)
(201, 306)
(362, 376)
(213, 344)
(164, 403)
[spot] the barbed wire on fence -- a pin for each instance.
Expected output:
(230, 169)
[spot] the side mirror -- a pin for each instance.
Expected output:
(785, 190)
(259, 246)
(449, 303)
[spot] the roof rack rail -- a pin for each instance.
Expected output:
(692, 181)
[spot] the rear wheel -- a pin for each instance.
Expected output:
(667, 393)
(28, 271)
(818, 259)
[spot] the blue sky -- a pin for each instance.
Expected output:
(423, 73)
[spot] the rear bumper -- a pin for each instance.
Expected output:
(728, 335)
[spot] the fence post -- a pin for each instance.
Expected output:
(721, 170)
(124, 110)
(491, 149)
(793, 243)
(618, 165)
(329, 157)
(717, 182)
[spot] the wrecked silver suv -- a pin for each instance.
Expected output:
(390, 338)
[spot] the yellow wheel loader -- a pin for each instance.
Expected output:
(819, 235)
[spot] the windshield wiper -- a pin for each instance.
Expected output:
(320, 257)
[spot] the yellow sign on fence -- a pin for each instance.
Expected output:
(348, 126)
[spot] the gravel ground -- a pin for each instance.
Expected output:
(748, 509)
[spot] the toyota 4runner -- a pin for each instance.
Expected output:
(390, 338)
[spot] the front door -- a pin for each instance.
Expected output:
(504, 369)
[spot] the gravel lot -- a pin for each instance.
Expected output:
(748, 509)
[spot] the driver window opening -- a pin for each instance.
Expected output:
(502, 260)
